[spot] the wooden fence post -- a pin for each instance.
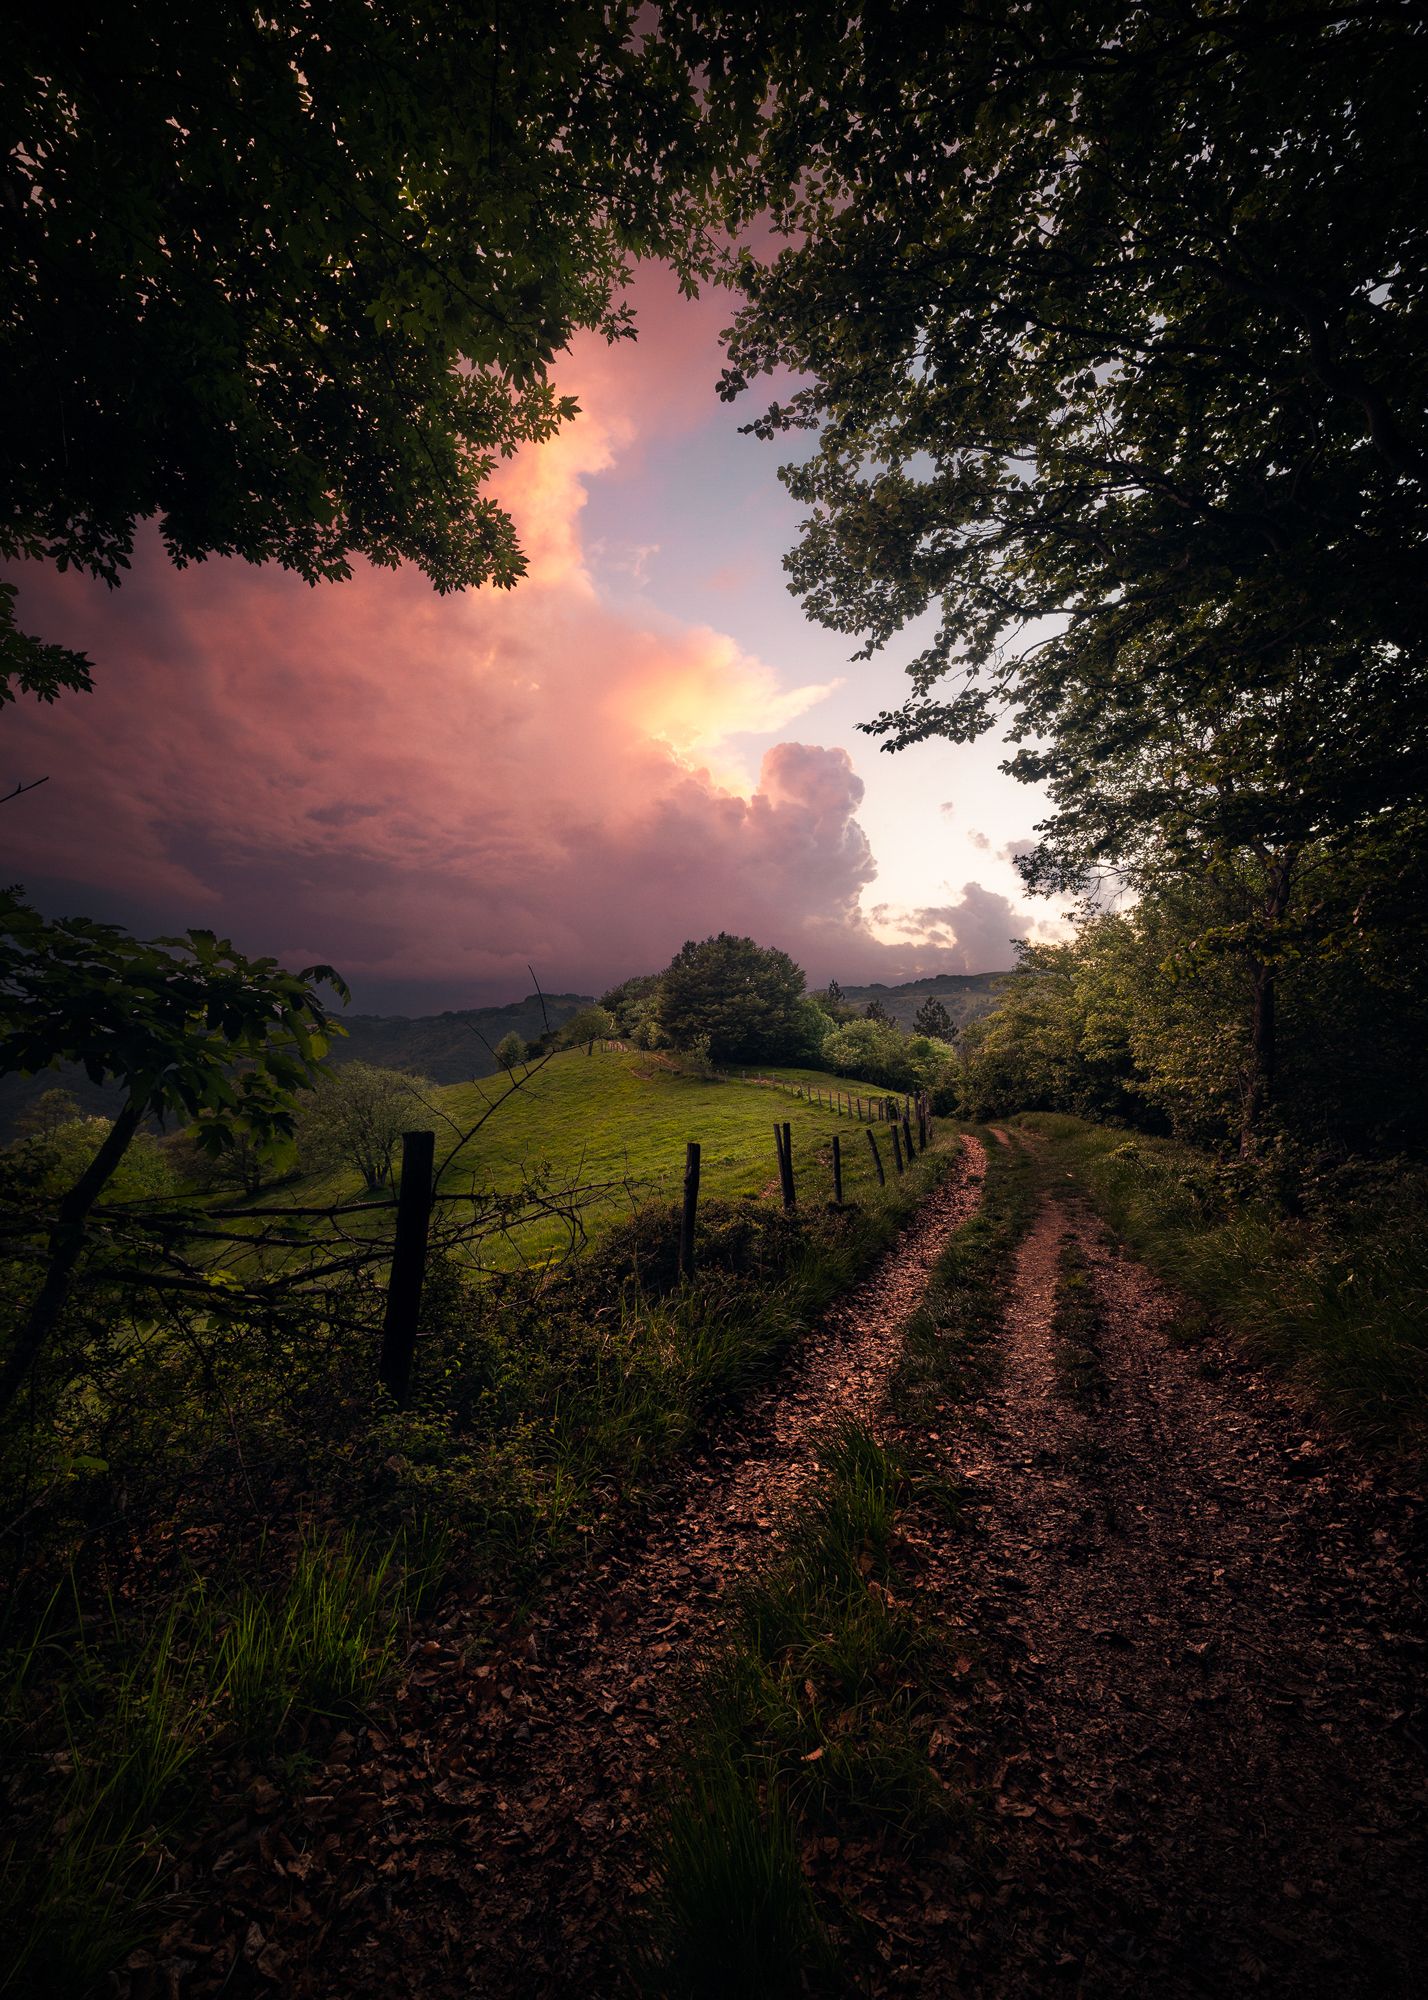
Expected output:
(788, 1189)
(691, 1204)
(877, 1156)
(897, 1148)
(907, 1134)
(837, 1170)
(408, 1273)
(922, 1124)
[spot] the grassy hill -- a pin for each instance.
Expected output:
(627, 1117)
(456, 1047)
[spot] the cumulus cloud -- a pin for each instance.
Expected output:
(974, 934)
(433, 793)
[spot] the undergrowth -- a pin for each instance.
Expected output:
(1336, 1296)
(543, 1408)
(113, 1724)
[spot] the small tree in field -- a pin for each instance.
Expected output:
(875, 1011)
(355, 1116)
(509, 1051)
(933, 1019)
(50, 1110)
(590, 1025)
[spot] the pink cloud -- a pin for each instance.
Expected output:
(974, 934)
(433, 793)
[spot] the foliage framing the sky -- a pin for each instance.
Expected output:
(290, 280)
(1114, 316)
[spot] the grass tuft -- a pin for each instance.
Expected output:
(126, 1722)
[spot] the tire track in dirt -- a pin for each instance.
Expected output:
(1206, 1782)
(558, 1739)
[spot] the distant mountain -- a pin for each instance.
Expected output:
(965, 995)
(450, 1048)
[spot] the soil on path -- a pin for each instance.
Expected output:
(506, 1808)
(1188, 1656)
(1194, 1738)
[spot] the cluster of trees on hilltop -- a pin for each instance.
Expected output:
(728, 1000)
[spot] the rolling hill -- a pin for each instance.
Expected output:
(965, 995)
(624, 1118)
(457, 1047)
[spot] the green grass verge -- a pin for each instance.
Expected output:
(1076, 1329)
(814, 1716)
(950, 1343)
(125, 1723)
(1337, 1300)
(626, 1117)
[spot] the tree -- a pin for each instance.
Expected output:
(1127, 388)
(50, 1110)
(743, 996)
(290, 280)
(876, 1011)
(187, 1026)
(356, 1114)
(586, 1027)
(509, 1051)
(834, 1002)
(1113, 346)
(932, 1019)
(811, 1029)
(632, 1002)
(878, 1052)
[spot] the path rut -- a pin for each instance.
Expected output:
(1198, 1746)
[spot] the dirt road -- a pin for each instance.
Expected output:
(1184, 1719)
(1195, 1739)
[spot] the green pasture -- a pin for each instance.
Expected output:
(622, 1119)
(627, 1117)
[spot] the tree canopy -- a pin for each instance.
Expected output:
(290, 280)
(1110, 323)
(745, 997)
(933, 1020)
(1129, 335)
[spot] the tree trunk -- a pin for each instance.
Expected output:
(1263, 1058)
(1259, 1079)
(65, 1249)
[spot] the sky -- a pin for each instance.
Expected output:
(645, 741)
